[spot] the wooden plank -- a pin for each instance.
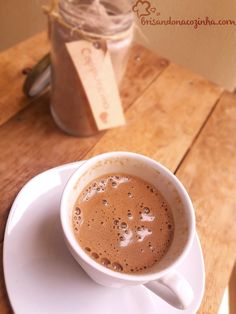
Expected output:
(232, 291)
(163, 122)
(5, 307)
(143, 68)
(208, 172)
(29, 52)
(12, 62)
(31, 143)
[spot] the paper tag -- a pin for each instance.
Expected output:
(95, 70)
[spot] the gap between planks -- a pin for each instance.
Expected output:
(198, 134)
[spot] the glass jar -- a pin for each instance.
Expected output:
(70, 21)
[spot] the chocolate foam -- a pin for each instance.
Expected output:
(123, 222)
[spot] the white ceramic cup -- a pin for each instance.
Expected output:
(162, 278)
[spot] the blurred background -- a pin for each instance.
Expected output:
(20, 20)
(209, 51)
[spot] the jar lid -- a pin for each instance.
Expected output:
(38, 78)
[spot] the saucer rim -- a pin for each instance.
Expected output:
(71, 166)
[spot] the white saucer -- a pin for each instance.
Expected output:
(43, 278)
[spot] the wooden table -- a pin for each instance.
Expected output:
(173, 116)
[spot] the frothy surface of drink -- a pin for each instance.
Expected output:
(123, 222)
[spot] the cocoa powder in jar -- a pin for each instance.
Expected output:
(69, 103)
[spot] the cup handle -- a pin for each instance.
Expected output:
(174, 289)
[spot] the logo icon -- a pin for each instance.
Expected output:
(150, 15)
(142, 8)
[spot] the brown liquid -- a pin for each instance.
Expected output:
(123, 222)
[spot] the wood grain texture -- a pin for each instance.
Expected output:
(31, 143)
(232, 291)
(4, 303)
(164, 121)
(29, 52)
(165, 115)
(12, 62)
(208, 172)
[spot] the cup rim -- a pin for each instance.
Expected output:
(74, 245)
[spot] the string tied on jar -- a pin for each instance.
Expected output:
(96, 19)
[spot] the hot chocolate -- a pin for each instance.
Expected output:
(123, 222)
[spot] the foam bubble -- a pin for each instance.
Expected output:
(117, 266)
(123, 225)
(146, 210)
(77, 211)
(105, 202)
(127, 238)
(142, 234)
(95, 255)
(130, 216)
(147, 217)
(105, 262)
